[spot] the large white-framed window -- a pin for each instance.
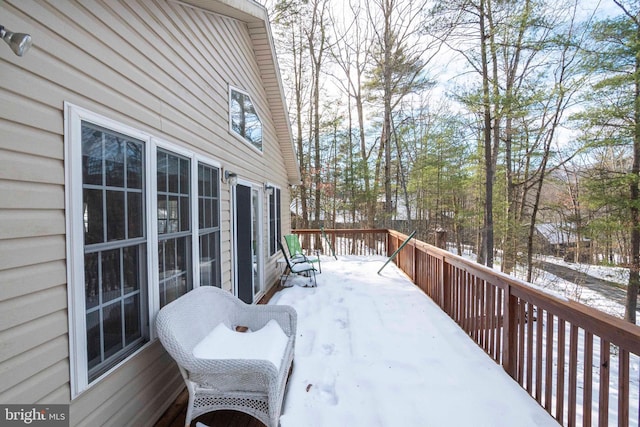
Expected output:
(209, 224)
(243, 118)
(134, 234)
(174, 200)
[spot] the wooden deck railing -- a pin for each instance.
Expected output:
(580, 364)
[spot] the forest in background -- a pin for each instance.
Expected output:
(483, 119)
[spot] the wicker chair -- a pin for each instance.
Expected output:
(253, 386)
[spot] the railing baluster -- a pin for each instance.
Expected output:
(548, 380)
(560, 371)
(491, 313)
(539, 335)
(521, 341)
(587, 395)
(603, 406)
(623, 388)
(573, 375)
(500, 322)
(530, 320)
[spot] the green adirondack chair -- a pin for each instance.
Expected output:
(296, 254)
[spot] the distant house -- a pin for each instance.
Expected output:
(558, 240)
(145, 151)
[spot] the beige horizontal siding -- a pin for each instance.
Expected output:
(42, 384)
(32, 251)
(19, 339)
(31, 279)
(136, 382)
(15, 312)
(38, 359)
(59, 395)
(30, 195)
(27, 168)
(29, 223)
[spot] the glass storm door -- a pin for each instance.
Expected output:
(248, 243)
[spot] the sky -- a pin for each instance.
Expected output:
(373, 350)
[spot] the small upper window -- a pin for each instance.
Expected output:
(244, 119)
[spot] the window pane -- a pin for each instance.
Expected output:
(201, 216)
(205, 262)
(184, 214)
(215, 181)
(215, 222)
(173, 174)
(112, 318)
(175, 270)
(131, 269)
(135, 215)
(111, 283)
(91, 156)
(208, 211)
(132, 316)
(184, 176)
(182, 253)
(93, 216)
(206, 190)
(174, 215)
(115, 215)
(162, 167)
(163, 214)
(134, 165)
(93, 339)
(114, 161)
(244, 119)
(91, 280)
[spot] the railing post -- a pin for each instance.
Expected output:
(415, 261)
(445, 286)
(509, 332)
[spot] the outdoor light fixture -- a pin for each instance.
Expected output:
(230, 177)
(19, 42)
(268, 189)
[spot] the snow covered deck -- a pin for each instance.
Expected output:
(374, 350)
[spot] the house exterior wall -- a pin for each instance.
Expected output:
(158, 66)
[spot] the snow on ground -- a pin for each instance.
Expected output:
(373, 350)
(618, 275)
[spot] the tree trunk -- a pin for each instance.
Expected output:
(634, 273)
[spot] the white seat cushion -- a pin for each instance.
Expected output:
(268, 343)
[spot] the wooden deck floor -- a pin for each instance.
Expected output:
(175, 415)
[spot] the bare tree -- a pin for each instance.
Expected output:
(399, 61)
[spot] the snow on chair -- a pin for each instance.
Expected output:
(223, 368)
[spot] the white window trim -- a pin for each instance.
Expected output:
(236, 134)
(73, 118)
